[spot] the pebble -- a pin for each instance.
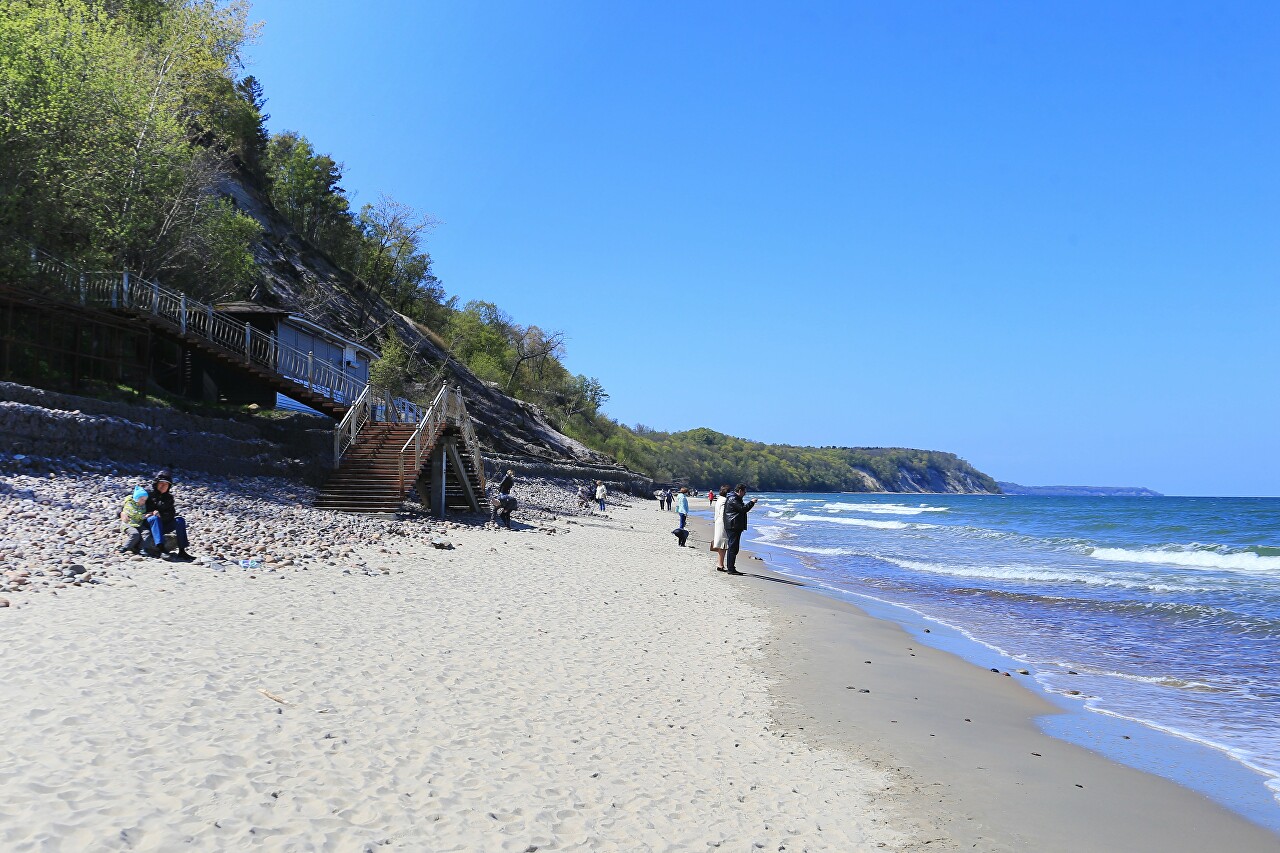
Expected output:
(63, 531)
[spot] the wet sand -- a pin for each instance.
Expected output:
(972, 768)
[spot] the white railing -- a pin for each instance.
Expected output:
(424, 438)
(125, 291)
(344, 434)
(447, 409)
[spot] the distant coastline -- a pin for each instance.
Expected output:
(1080, 491)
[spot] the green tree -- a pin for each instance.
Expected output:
(116, 124)
(395, 369)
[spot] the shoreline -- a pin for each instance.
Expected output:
(972, 750)
(570, 684)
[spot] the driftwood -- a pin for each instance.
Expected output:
(273, 697)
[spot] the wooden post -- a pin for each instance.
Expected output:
(472, 499)
(182, 319)
(155, 298)
(444, 474)
(247, 333)
(310, 371)
(435, 490)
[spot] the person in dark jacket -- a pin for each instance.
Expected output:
(504, 488)
(735, 522)
(162, 515)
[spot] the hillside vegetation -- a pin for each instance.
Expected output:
(708, 458)
(131, 138)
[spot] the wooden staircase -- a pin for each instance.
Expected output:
(368, 480)
(383, 460)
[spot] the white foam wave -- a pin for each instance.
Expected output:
(1039, 575)
(768, 533)
(883, 509)
(1243, 561)
(826, 552)
(854, 522)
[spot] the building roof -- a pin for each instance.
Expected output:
(295, 320)
(249, 308)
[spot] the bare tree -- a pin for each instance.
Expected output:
(532, 344)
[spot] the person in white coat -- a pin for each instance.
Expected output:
(719, 537)
(601, 492)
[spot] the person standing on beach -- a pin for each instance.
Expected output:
(504, 488)
(735, 523)
(719, 539)
(711, 496)
(682, 505)
(601, 492)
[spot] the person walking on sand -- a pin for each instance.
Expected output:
(601, 492)
(682, 505)
(711, 497)
(719, 539)
(735, 523)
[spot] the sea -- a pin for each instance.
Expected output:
(1162, 612)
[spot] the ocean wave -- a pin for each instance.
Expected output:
(1158, 680)
(824, 552)
(883, 509)
(769, 533)
(1191, 557)
(857, 522)
(1038, 575)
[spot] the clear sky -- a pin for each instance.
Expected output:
(1044, 236)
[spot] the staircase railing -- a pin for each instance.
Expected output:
(424, 438)
(470, 440)
(447, 409)
(344, 434)
(126, 291)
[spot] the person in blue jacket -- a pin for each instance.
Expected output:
(682, 505)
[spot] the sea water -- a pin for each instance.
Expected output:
(1164, 611)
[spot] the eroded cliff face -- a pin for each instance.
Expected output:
(941, 482)
(297, 277)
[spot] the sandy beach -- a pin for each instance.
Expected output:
(594, 689)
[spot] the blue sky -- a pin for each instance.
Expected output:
(1044, 236)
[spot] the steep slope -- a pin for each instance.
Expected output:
(297, 277)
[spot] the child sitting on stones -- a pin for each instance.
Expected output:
(133, 520)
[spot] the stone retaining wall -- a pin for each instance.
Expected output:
(46, 424)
